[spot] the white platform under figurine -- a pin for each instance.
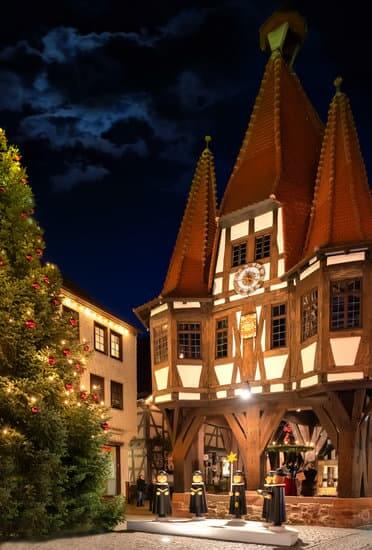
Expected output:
(217, 529)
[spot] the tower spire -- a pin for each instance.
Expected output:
(342, 206)
(189, 266)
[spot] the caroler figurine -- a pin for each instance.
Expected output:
(276, 486)
(238, 506)
(198, 501)
(161, 504)
(267, 496)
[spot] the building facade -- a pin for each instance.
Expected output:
(264, 316)
(111, 373)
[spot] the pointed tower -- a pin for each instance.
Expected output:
(189, 266)
(342, 207)
(280, 151)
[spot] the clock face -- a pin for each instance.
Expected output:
(249, 278)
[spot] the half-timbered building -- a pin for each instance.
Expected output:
(265, 311)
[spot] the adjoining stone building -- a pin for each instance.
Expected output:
(111, 374)
(265, 311)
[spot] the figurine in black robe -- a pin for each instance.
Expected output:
(277, 504)
(198, 501)
(161, 504)
(267, 497)
(238, 506)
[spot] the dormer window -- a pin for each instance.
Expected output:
(239, 254)
(262, 247)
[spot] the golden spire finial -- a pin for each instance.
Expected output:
(208, 139)
(337, 82)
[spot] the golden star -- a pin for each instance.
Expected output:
(232, 457)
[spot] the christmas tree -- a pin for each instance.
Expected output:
(52, 467)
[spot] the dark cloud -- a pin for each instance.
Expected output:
(77, 174)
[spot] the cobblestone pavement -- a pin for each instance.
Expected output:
(310, 538)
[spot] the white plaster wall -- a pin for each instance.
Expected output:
(221, 394)
(276, 387)
(274, 366)
(308, 357)
(341, 376)
(190, 375)
(263, 336)
(345, 350)
(219, 302)
(346, 258)
(281, 267)
(161, 377)
(188, 396)
(185, 305)
(163, 398)
(217, 286)
(221, 251)
(159, 309)
(224, 373)
(280, 236)
(310, 381)
(256, 389)
(239, 230)
(263, 221)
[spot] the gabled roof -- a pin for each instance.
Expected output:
(279, 154)
(189, 267)
(342, 207)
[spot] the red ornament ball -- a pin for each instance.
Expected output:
(95, 397)
(83, 395)
(78, 367)
(86, 347)
(36, 285)
(23, 215)
(66, 352)
(73, 322)
(2, 189)
(56, 302)
(69, 387)
(30, 323)
(39, 252)
(52, 360)
(29, 257)
(35, 410)
(46, 279)
(105, 426)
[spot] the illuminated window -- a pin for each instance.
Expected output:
(278, 326)
(161, 343)
(97, 387)
(309, 314)
(189, 340)
(262, 247)
(116, 345)
(346, 304)
(116, 395)
(100, 338)
(239, 254)
(221, 338)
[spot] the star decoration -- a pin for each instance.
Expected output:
(232, 457)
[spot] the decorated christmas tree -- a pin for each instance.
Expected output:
(52, 467)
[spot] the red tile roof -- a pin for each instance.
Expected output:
(342, 207)
(279, 155)
(189, 267)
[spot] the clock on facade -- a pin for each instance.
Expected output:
(249, 278)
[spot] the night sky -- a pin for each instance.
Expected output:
(109, 102)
